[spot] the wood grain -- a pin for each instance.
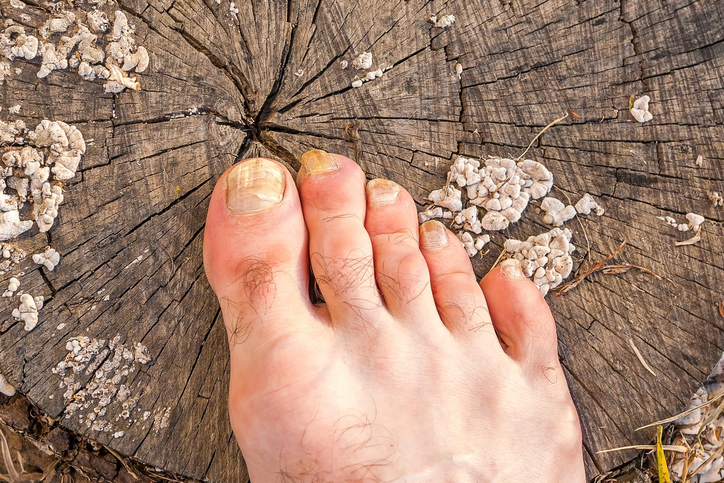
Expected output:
(268, 82)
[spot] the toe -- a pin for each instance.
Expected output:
(332, 191)
(400, 268)
(255, 250)
(522, 319)
(459, 300)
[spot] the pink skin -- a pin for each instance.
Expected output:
(411, 371)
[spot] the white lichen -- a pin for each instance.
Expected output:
(586, 204)
(716, 199)
(459, 70)
(442, 22)
(5, 387)
(14, 109)
(556, 212)
(545, 258)
(110, 363)
(343, 64)
(640, 109)
(695, 220)
(11, 226)
(49, 258)
(357, 83)
(28, 310)
(119, 80)
(363, 61)
(13, 285)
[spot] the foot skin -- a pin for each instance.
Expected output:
(411, 371)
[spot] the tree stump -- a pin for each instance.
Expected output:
(264, 78)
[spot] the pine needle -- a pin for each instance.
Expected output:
(667, 447)
(682, 414)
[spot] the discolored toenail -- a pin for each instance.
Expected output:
(382, 192)
(433, 235)
(317, 161)
(254, 186)
(510, 269)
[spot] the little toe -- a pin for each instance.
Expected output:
(522, 319)
(332, 192)
(255, 251)
(459, 300)
(400, 268)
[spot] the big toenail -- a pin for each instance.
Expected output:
(318, 161)
(433, 235)
(382, 192)
(254, 186)
(510, 269)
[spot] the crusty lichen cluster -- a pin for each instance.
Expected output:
(34, 164)
(84, 42)
(488, 196)
(111, 364)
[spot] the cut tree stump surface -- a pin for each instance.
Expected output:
(222, 87)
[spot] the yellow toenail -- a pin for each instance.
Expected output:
(318, 161)
(510, 269)
(433, 235)
(254, 186)
(382, 192)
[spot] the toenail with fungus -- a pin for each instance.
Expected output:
(433, 235)
(511, 269)
(382, 192)
(254, 186)
(317, 161)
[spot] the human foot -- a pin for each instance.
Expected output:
(410, 372)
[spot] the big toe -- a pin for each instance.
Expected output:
(522, 319)
(255, 250)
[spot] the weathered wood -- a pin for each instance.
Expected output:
(268, 82)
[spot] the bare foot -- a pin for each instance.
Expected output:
(410, 372)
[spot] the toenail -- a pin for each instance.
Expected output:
(433, 235)
(382, 192)
(510, 269)
(254, 186)
(318, 161)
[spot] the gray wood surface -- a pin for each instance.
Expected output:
(268, 82)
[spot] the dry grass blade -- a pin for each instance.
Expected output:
(123, 461)
(667, 447)
(661, 458)
(540, 133)
(503, 255)
(684, 413)
(600, 266)
(711, 417)
(12, 472)
(708, 460)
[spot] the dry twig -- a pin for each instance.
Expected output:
(540, 133)
(601, 266)
(641, 358)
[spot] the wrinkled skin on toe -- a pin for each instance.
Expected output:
(411, 371)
